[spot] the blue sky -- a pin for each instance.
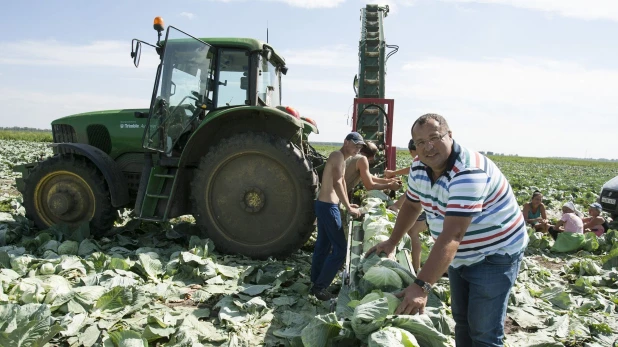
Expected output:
(528, 77)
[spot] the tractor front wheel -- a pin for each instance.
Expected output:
(67, 189)
(253, 194)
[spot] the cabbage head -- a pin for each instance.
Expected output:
(406, 276)
(538, 240)
(588, 267)
(68, 247)
(29, 290)
(591, 243)
(21, 264)
(369, 317)
(51, 245)
(55, 286)
(376, 225)
(393, 301)
(47, 269)
(392, 336)
(382, 278)
(374, 241)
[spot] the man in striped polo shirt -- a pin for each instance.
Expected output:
(479, 232)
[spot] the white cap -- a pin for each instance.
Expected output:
(571, 206)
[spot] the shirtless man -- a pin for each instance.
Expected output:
(357, 170)
(333, 190)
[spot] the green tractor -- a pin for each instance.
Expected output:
(216, 143)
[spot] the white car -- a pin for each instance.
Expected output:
(609, 196)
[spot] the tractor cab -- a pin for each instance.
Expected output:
(182, 91)
(195, 78)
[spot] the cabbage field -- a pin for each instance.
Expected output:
(164, 284)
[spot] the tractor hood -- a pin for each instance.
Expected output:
(114, 131)
(101, 116)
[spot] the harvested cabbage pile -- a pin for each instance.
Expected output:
(364, 313)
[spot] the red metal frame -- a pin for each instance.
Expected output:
(389, 149)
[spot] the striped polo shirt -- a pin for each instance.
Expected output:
(472, 185)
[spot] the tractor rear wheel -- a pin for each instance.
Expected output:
(253, 194)
(67, 189)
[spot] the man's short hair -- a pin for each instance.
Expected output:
(427, 117)
(370, 149)
(411, 145)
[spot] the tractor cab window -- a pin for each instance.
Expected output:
(182, 84)
(268, 83)
(182, 91)
(233, 76)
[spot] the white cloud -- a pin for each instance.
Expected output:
(519, 82)
(187, 14)
(526, 106)
(302, 3)
(330, 56)
(56, 53)
(590, 9)
(316, 85)
(313, 3)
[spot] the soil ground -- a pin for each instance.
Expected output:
(8, 186)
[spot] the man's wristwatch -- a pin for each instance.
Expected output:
(424, 285)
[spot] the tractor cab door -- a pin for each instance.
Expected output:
(182, 91)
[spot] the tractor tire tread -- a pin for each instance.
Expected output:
(105, 214)
(300, 169)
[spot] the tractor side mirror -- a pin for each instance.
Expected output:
(136, 52)
(244, 83)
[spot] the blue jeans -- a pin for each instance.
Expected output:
(325, 263)
(479, 297)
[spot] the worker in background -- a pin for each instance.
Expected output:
(479, 229)
(404, 170)
(357, 170)
(330, 247)
(421, 222)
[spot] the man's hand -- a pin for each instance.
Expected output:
(354, 211)
(414, 300)
(389, 173)
(394, 185)
(387, 247)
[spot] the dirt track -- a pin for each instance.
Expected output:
(8, 186)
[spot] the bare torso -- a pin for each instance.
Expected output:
(327, 188)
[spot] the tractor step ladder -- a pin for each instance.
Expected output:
(161, 186)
